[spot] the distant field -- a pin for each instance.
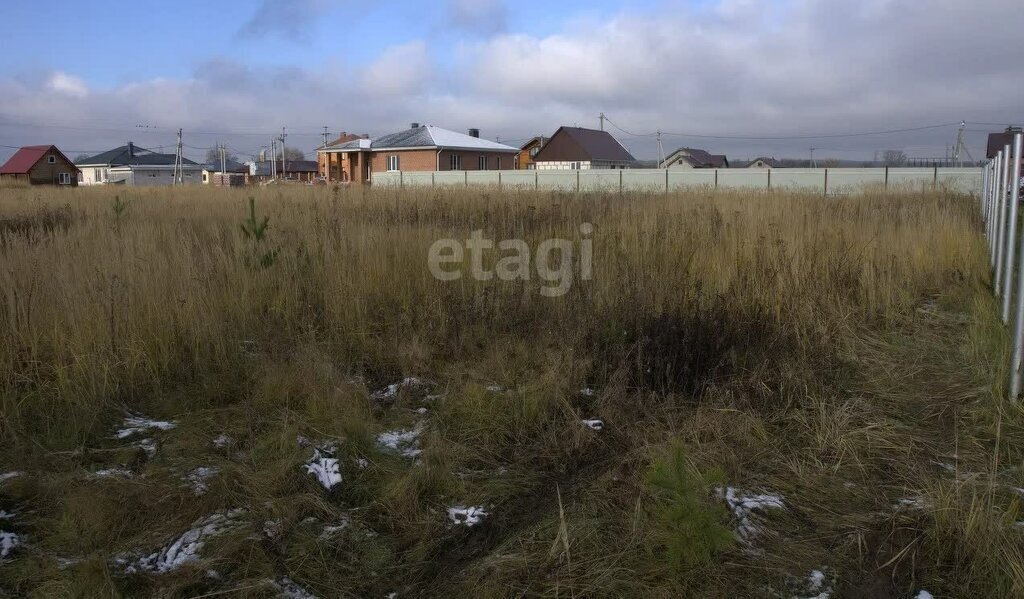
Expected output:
(750, 395)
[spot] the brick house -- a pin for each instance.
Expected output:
(579, 148)
(418, 148)
(40, 165)
(330, 166)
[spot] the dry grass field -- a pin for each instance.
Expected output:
(797, 397)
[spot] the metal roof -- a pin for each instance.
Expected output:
(577, 143)
(426, 136)
(132, 154)
(25, 158)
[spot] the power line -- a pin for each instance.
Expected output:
(784, 137)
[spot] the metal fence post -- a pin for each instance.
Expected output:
(826, 184)
(984, 189)
(1011, 229)
(995, 208)
(1001, 236)
(1018, 334)
(620, 181)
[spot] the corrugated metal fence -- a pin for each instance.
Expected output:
(827, 181)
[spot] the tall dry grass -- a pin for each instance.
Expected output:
(831, 349)
(114, 305)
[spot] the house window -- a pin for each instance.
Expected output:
(497, 163)
(51, 159)
(534, 150)
(97, 174)
(574, 166)
(206, 178)
(456, 162)
(481, 163)
(64, 178)
(393, 162)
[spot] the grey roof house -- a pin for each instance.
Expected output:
(694, 158)
(134, 165)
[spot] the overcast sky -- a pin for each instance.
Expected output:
(108, 72)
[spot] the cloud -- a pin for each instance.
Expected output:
(68, 85)
(399, 70)
(730, 68)
(290, 19)
(482, 17)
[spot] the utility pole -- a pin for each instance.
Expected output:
(661, 151)
(284, 169)
(325, 136)
(601, 116)
(223, 162)
(273, 159)
(961, 146)
(813, 164)
(179, 175)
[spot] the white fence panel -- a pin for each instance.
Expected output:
(798, 179)
(740, 178)
(836, 181)
(450, 178)
(557, 180)
(690, 178)
(599, 180)
(519, 179)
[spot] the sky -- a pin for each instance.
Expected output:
(741, 77)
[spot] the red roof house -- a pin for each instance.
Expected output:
(40, 165)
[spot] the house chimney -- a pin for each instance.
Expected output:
(474, 133)
(414, 126)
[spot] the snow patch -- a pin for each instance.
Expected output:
(495, 389)
(332, 529)
(137, 424)
(9, 475)
(923, 594)
(403, 442)
(362, 463)
(146, 445)
(467, 516)
(324, 467)
(392, 390)
(112, 473)
(198, 477)
(593, 424)
(8, 543)
(288, 589)
(5, 515)
(221, 441)
(817, 586)
(914, 503)
(185, 549)
(587, 392)
(743, 505)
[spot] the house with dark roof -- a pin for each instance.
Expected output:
(686, 158)
(579, 148)
(998, 141)
(418, 148)
(133, 165)
(264, 171)
(763, 162)
(40, 165)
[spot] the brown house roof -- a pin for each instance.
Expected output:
(27, 157)
(577, 143)
(997, 141)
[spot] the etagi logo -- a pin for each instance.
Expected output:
(553, 260)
